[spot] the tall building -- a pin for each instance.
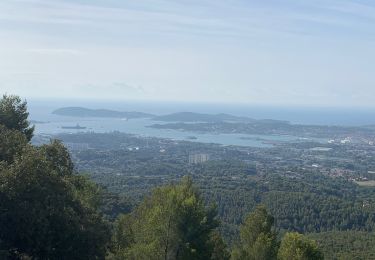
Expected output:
(198, 158)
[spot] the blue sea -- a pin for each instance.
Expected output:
(41, 110)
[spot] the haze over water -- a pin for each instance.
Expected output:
(296, 115)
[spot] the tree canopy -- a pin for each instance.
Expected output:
(47, 211)
(172, 223)
(295, 246)
(14, 115)
(42, 216)
(257, 239)
(12, 142)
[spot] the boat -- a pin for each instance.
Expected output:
(74, 127)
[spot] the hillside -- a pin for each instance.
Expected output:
(199, 117)
(86, 112)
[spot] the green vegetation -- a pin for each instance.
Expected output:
(13, 115)
(172, 223)
(46, 210)
(346, 245)
(295, 246)
(301, 198)
(258, 241)
(146, 209)
(11, 144)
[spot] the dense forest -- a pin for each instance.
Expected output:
(49, 210)
(300, 197)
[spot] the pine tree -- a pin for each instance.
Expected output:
(257, 239)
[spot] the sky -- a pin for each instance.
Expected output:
(290, 52)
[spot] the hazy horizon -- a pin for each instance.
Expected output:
(310, 53)
(344, 116)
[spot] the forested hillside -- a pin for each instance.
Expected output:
(48, 211)
(300, 197)
(164, 208)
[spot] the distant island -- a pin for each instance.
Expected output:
(86, 112)
(190, 117)
(187, 117)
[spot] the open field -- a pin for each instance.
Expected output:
(366, 183)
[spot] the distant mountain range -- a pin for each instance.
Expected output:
(86, 112)
(186, 117)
